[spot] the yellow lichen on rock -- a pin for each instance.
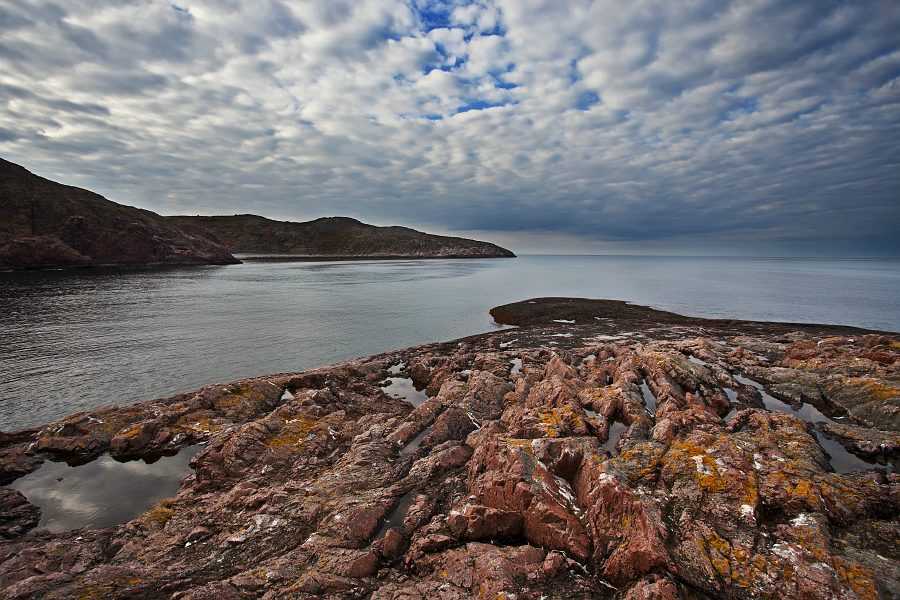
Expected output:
(292, 433)
(161, 513)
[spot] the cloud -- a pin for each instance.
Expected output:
(763, 123)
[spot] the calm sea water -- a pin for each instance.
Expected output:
(73, 340)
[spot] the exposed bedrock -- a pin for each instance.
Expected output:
(610, 457)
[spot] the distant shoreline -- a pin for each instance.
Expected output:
(326, 258)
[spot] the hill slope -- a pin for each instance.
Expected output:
(335, 237)
(47, 224)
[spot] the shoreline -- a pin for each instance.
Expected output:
(240, 259)
(557, 413)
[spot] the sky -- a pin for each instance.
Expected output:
(762, 127)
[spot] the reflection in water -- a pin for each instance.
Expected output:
(649, 398)
(414, 443)
(616, 429)
(515, 367)
(397, 515)
(403, 388)
(841, 460)
(397, 369)
(101, 493)
(698, 361)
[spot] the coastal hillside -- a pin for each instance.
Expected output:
(337, 237)
(47, 224)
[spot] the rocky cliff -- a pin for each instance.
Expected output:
(599, 450)
(335, 237)
(47, 224)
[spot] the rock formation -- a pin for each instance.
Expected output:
(46, 224)
(334, 237)
(600, 451)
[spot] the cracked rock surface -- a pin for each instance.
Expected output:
(596, 450)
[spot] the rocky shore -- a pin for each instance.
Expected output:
(596, 450)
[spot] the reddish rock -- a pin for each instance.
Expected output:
(626, 527)
(481, 523)
(452, 424)
(506, 475)
(509, 491)
(17, 515)
(392, 543)
(653, 588)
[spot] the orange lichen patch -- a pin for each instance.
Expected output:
(100, 591)
(100, 425)
(242, 399)
(109, 424)
(719, 551)
(293, 432)
(856, 577)
(235, 396)
(598, 396)
(199, 424)
(795, 490)
(552, 422)
(734, 563)
(521, 444)
(640, 462)
(876, 389)
(161, 513)
(686, 456)
(812, 541)
(562, 420)
(131, 432)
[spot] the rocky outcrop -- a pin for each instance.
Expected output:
(45, 224)
(612, 458)
(334, 237)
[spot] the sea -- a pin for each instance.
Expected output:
(78, 339)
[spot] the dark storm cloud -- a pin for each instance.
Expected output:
(766, 123)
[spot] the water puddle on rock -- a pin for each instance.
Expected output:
(397, 369)
(649, 398)
(414, 443)
(101, 493)
(770, 402)
(616, 429)
(403, 388)
(841, 459)
(698, 361)
(397, 515)
(516, 367)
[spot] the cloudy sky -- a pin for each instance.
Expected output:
(696, 126)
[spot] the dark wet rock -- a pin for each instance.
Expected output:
(17, 459)
(555, 478)
(40, 251)
(452, 424)
(864, 441)
(17, 515)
